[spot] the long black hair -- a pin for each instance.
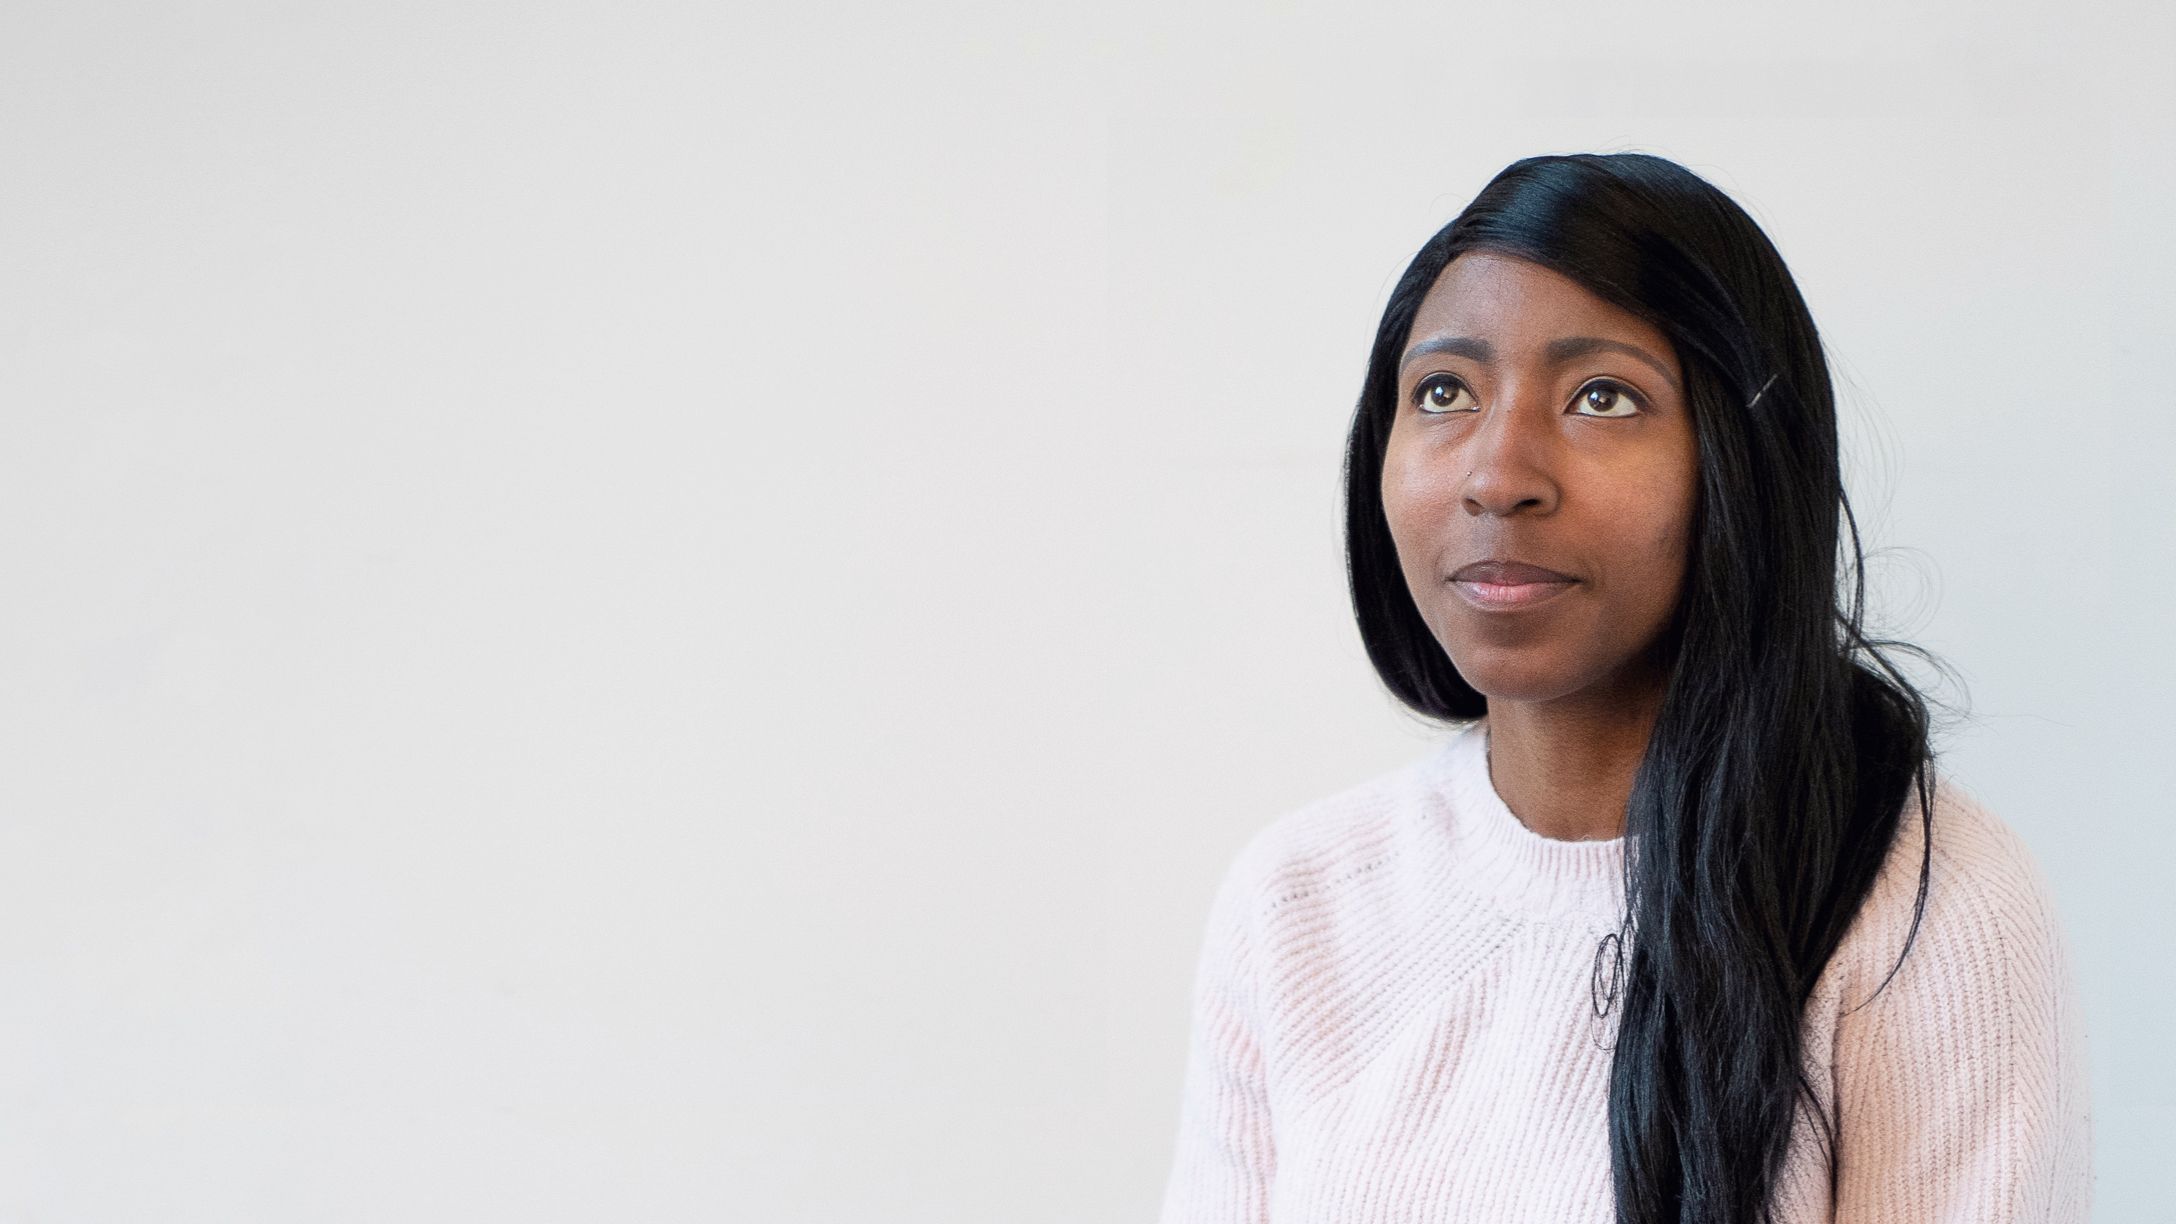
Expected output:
(1787, 743)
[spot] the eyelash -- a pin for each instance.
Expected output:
(1639, 402)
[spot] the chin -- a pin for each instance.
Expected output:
(1521, 675)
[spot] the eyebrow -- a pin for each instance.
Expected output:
(1556, 352)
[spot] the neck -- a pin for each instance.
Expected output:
(1565, 767)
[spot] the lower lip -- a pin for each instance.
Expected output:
(1509, 596)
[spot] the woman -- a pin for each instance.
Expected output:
(1679, 923)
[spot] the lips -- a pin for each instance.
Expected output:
(1508, 573)
(1503, 586)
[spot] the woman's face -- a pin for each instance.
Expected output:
(1539, 425)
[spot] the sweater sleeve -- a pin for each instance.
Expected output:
(1962, 1092)
(1225, 1154)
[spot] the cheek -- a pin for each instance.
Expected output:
(1416, 505)
(1659, 522)
(1397, 494)
(1419, 506)
(1414, 491)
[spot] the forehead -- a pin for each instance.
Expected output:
(1518, 305)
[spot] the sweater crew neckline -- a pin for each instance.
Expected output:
(1491, 851)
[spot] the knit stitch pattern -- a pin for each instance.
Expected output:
(1394, 1019)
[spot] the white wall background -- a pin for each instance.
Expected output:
(665, 612)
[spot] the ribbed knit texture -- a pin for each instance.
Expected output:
(1394, 1020)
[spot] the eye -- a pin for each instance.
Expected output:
(1439, 393)
(1606, 398)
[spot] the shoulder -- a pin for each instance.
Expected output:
(1962, 1078)
(1988, 928)
(1318, 850)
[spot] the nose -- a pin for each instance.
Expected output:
(1510, 461)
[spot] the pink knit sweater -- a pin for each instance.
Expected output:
(1394, 1021)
